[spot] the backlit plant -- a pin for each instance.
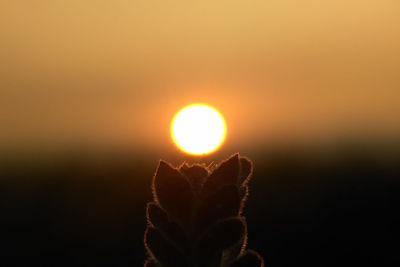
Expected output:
(196, 217)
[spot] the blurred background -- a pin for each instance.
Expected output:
(310, 91)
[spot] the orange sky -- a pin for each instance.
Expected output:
(115, 72)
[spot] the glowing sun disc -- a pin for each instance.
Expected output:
(198, 129)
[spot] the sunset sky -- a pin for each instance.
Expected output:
(113, 73)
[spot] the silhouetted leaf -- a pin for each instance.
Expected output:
(196, 175)
(175, 233)
(151, 263)
(249, 259)
(155, 215)
(162, 249)
(244, 193)
(209, 259)
(227, 173)
(172, 191)
(223, 204)
(159, 219)
(232, 253)
(246, 169)
(224, 234)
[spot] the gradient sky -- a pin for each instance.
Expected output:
(104, 73)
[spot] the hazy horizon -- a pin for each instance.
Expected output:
(99, 74)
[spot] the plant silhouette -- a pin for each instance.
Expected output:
(196, 217)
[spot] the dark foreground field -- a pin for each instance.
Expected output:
(304, 209)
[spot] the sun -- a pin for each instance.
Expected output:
(198, 129)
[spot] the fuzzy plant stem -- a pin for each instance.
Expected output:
(196, 217)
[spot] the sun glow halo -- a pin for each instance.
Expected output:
(198, 129)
